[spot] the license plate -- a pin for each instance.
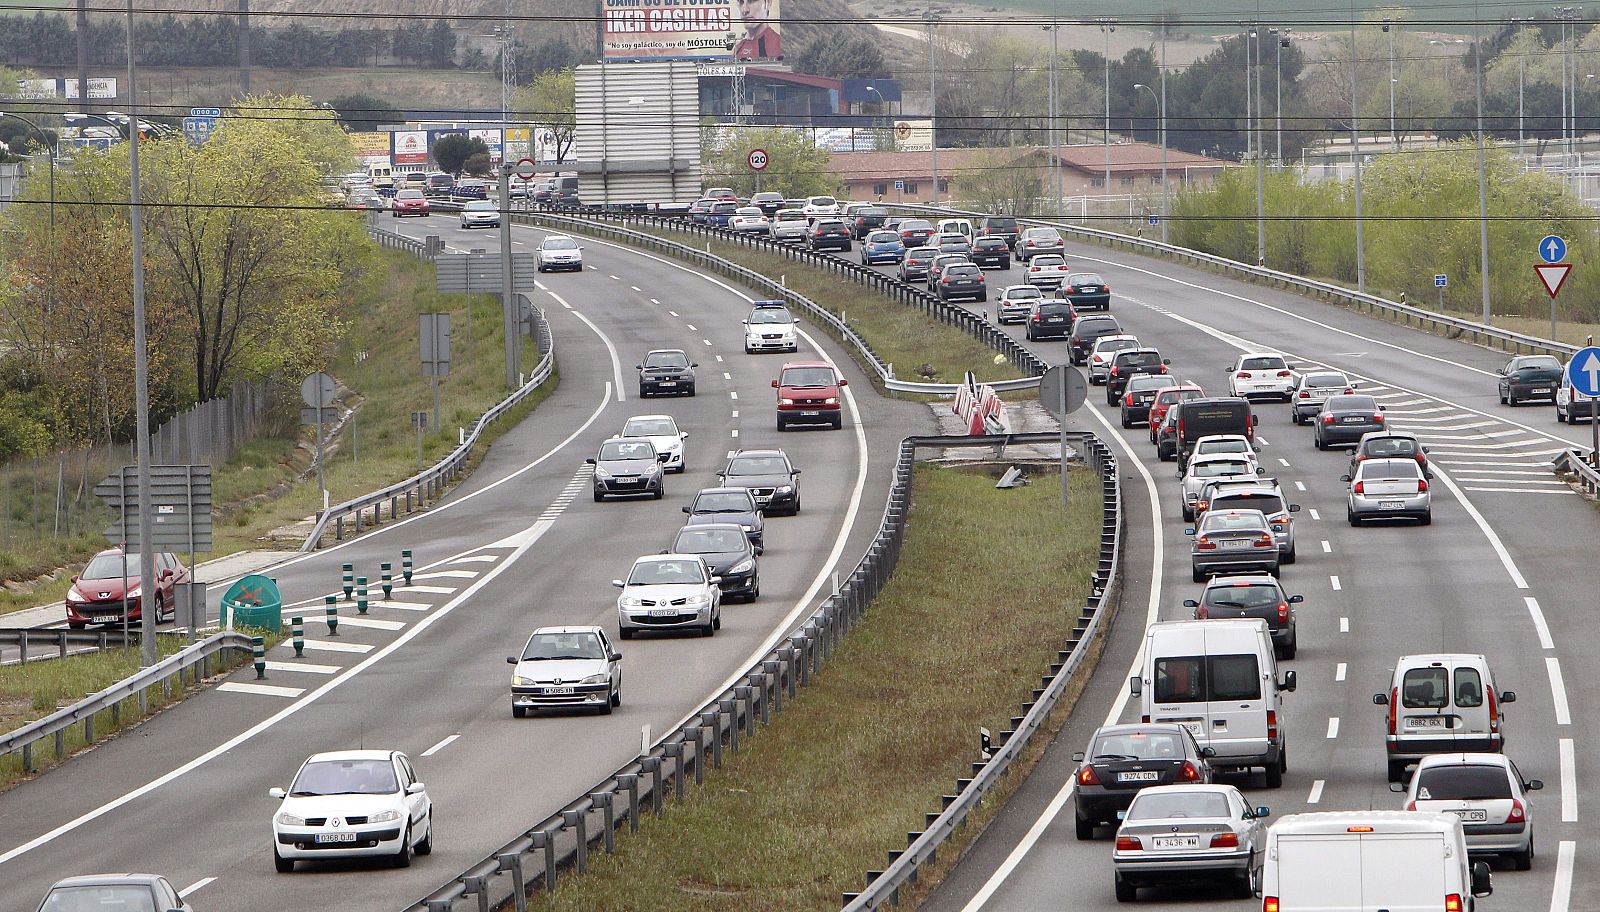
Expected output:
(663, 612)
(1176, 842)
(1539, 391)
(667, 383)
(336, 837)
(1235, 545)
(1089, 289)
(1194, 728)
(627, 481)
(1471, 815)
(107, 618)
(1390, 505)
(1146, 776)
(558, 690)
(1425, 722)
(1054, 319)
(809, 414)
(1354, 419)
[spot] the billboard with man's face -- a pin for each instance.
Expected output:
(699, 29)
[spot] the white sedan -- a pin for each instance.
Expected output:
(663, 433)
(751, 219)
(1048, 269)
(819, 206)
(359, 803)
(669, 592)
(1189, 833)
(559, 251)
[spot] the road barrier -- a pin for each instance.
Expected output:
(536, 858)
(1581, 464)
(37, 643)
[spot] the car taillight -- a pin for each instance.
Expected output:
(1283, 612)
(1517, 814)
(1087, 776)
(1033, 269)
(1129, 844)
(1283, 373)
(1264, 539)
(1269, 904)
(1494, 712)
(1202, 613)
(1272, 724)
(1452, 902)
(1106, 288)
(1244, 375)
(1327, 419)
(1394, 709)
(1037, 318)
(1304, 395)
(1113, 372)
(1128, 399)
(1190, 772)
(1360, 487)
(1422, 486)
(1349, 390)
(1205, 544)
(1201, 504)
(1411, 805)
(1225, 840)
(1030, 243)
(945, 280)
(1420, 459)
(1378, 418)
(1162, 369)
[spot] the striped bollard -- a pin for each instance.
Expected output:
(333, 615)
(297, 627)
(405, 565)
(361, 594)
(349, 579)
(388, 579)
(258, 647)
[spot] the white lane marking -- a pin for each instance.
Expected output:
(614, 277)
(1333, 727)
(432, 590)
(1546, 482)
(706, 341)
(1515, 490)
(726, 375)
(616, 365)
(400, 606)
(356, 621)
(1474, 463)
(440, 746)
(1339, 671)
(1335, 581)
(330, 646)
(446, 574)
(1569, 782)
(1479, 468)
(303, 667)
(1327, 547)
(1283, 462)
(1344, 625)
(1316, 793)
(1489, 533)
(1558, 690)
(197, 885)
(654, 301)
(673, 312)
(1315, 514)
(691, 327)
(532, 535)
(1539, 625)
(734, 432)
(735, 413)
(634, 287)
(1264, 441)
(719, 358)
(266, 690)
(1300, 486)
(477, 559)
(1561, 894)
(733, 394)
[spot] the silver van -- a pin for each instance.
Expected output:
(1441, 703)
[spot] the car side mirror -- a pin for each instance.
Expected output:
(1166, 360)
(638, 367)
(1260, 471)
(760, 550)
(1509, 696)
(716, 580)
(277, 793)
(774, 384)
(1208, 752)
(1383, 408)
(616, 657)
(1290, 681)
(1344, 477)
(795, 472)
(1077, 756)
(694, 363)
(686, 509)
(511, 660)
(1294, 508)
(74, 579)
(844, 382)
(589, 461)
(1190, 603)
(1188, 531)
(1263, 811)
(1380, 699)
(1399, 788)
(617, 583)
(1256, 449)
(683, 435)
(1227, 370)
(1135, 685)
(1296, 599)
(1255, 420)
(1482, 880)
(1533, 785)
(415, 788)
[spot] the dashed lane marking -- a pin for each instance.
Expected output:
(358, 621)
(1333, 727)
(446, 574)
(303, 667)
(1339, 671)
(1335, 581)
(1316, 793)
(431, 590)
(1344, 625)
(440, 746)
(1327, 547)
(398, 605)
(1539, 625)
(266, 690)
(1569, 491)
(1558, 690)
(330, 646)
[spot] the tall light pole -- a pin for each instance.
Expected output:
(933, 111)
(1054, 28)
(1161, 122)
(1260, 151)
(1355, 155)
(1483, 186)
(1522, 79)
(1282, 36)
(1394, 137)
(141, 367)
(1107, 26)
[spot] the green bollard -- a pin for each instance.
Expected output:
(298, 628)
(388, 579)
(361, 594)
(349, 578)
(333, 615)
(258, 646)
(405, 565)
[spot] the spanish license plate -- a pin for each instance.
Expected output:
(1353, 419)
(1054, 319)
(1471, 815)
(558, 690)
(667, 383)
(1089, 289)
(336, 837)
(1425, 722)
(1235, 545)
(1540, 392)
(663, 612)
(809, 414)
(1145, 776)
(1175, 842)
(1195, 728)
(1390, 505)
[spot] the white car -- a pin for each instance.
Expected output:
(1489, 795)
(770, 327)
(1261, 374)
(663, 433)
(817, 206)
(566, 667)
(669, 592)
(559, 251)
(356, 803)
(1105, 348)
(751, 219)
(1049, 269)
(1015, 303)
(1313, 389)
(480, 213)
(790, 225)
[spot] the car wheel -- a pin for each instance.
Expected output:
(626, 633)
(1244, 885)
(838, 423)
(1126, 423)
(716, 621)
(661, 492)
(1425, 519)
(1126, 892)
(1351, 517)
(1523, 861)
(402, 858)
(161, 609)
(1510, 400)
(1319, 443)
(782, 425)
(1561, 417)
(795, 510)
(616, 694)
(710, 629)
(598, 497)
(1085, 827)
(1502, 398)
(1397, 771)
(691, 389)
(1289, 556)
(280, 864)
(519, 712)
(1188, 514)
(607, 706)
(1291, 649)
(1199, 576)
(643, 393)
(1275, 775)
(425, 847)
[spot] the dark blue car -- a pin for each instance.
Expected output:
(721, 212)
(882, 247)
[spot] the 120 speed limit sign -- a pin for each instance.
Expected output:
(757, 159)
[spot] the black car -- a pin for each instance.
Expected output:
(914, 264)
(1344, 420)
(1086, 291)
(724, 547)
(1252, 595)
(1529, 377)
(1390, 444)
(735, 506)
(915, 232)
(1050, 318)
(1139, 393)
(1165, 434)
(1128, 363)
(768, 203)
(991, 252)
(1088, 329)
(1123, 759)
(867, 220)
(666, 371)
(628, 466)
(962, 280)
(768, 475)
(828, 234)
(1003, 227)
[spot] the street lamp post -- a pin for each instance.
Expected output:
(141, 367)
(1054, 28)
(1355, 155)
(882, 102)
(1483, 186)
(1277, 87)
(1107, 26)
(1161, 121)
(1394, 136)
(933, 111)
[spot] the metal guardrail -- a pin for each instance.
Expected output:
(59, 642)
(196, 658)
(429, 484)
(536, 857)
(1582, 464)
(1455, 327)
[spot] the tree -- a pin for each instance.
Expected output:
(11, 80)
(451, 152)
(857, 57)
(441, 45)
(364, 113)
(547, 55)
(795, 166)
(1010, 181)
(478, 164)
(549, 103)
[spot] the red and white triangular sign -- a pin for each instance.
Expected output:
(1553, 276)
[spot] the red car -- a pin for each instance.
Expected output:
(96, 596)
(1164, 401)
(809, 393)
(409, 202)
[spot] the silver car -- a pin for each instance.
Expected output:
(566, 667)
(1313, 390)
(1105, 348)
(667, 592)
(1267, 497)
(480, 213)
(1489, 795)
(1232, 540)
(1202, 469)
(1190, 833)
(1015, 303)
(1389, 489)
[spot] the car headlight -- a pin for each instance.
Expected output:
(290, 820)
(698, 599)
(744, 566)
(600, 472)
(652, 469)
(596, 679)
(134, 592)
(786, 402)
(785, 489)
(630, 601)
(831, 400)
(521, 681)
(73, 595)
(748, 528)
(384, 816)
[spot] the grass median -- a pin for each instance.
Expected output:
(837, 780)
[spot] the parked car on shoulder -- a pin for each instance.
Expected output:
(110, 584)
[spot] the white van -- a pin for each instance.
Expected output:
(1219, 679)
(1441, 703)
(959, 226)
(1370, 861)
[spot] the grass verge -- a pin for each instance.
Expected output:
(852, 764)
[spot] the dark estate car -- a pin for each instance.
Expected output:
(666, 371)
(1129, 363)
(1123, 759)
(1390, 444)
(1086, 330)
(1529, 377)
(867, 219)
(828, 233)
(915, 231)
(729, 553)
(1251, 595)
(736, 506)
(1050, 318)
(991, 252)
(1003, 227)
(97, 592)
(768, 475)
(962, 280)
(1086, 291)
(1140, 394)
(628, 466)
(1344, 420)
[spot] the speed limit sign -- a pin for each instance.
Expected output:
(757, 159)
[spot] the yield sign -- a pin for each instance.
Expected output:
(1553, 276)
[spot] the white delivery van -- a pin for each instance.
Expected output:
(1370, 861)
(1219, 679)
(959, 226)
(1441, 703)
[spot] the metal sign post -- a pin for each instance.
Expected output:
(1062, 391)
(419, 420)
(433, 336)
(508, 285)
(317, 390)
(180, 498)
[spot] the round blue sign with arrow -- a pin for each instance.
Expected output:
(1584, 371)
(1552, 248)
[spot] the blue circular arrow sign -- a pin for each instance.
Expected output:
(1552, 249)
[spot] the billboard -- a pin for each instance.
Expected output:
(370, 148)
(491, 138)
(410, 147)
(913, 135)
(103, 88)
(680, 29)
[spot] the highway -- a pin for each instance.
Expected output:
(518, 545)
(1496, 573)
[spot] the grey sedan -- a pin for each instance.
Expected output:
(1189, 833)
(1389, 489)
(113, 891)
(1344, 419)
(1232, 540)
(627, 465)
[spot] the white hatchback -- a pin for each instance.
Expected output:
(1489, 795)
(358, 803)
(669, 592)
(1048, 269)
(662, 432)
(559, 251)
(751, 219)
(1105, 348)
(1261, 374)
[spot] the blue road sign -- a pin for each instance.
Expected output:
(205, 112)
(1441, 281)
(198, 129)
(900, 185)
(1584, 371)
(1552, 248)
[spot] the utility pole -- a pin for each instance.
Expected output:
(1055, 95)
(141, 367)
(1282, 36)
(933, 111)
(244, 47)
(1261, 190)
(1107, 26)
(1483, 188)
(83, 56)
(1355, 155)
(1394, 137)
(1522, 79)
(1166, 190)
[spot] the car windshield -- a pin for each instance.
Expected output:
(1467, 782)
(751, 212)
(807, 377)
(1019, 292)
(1138, 746)
(725, 206)
(1041, 234)
(1268, 504)
(1425, 688)
(624, 449)
(824, 201)
(1233, 521)
(480, 206)
(991, 243)
(1000, 224)
(666, 573)
(104, 898)
(962, 270)
(952, 238)
(830, 225)
(916, 225)
(770, 315)
(563, 646)
(559, 243)
(724, 502)
(1242, 595)
(110, 566)
(920, 253)
(709, 541)
(1056, 309)
(1219, 468)
(1326, 380)
(1391, 446)
(1087, 278)
(872, 212)
(1159, 805)
(345, 777)
(666, 359)
(1272, 363)
(757, 465)
(948, 258)
(650, 427)
(1177, 395)
(1143, 383)
(409, 195)
(1221, 446)
(1105, 346)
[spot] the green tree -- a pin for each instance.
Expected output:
(478, 164)
(858, 57)
(549, 103)
(364, 113)
(11, 81)
(451, 152)
(795, 166)
(441, 45)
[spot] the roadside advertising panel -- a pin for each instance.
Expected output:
(410, 147)
(691, 29)
(370, 148)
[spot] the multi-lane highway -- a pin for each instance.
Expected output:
(520, 544)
